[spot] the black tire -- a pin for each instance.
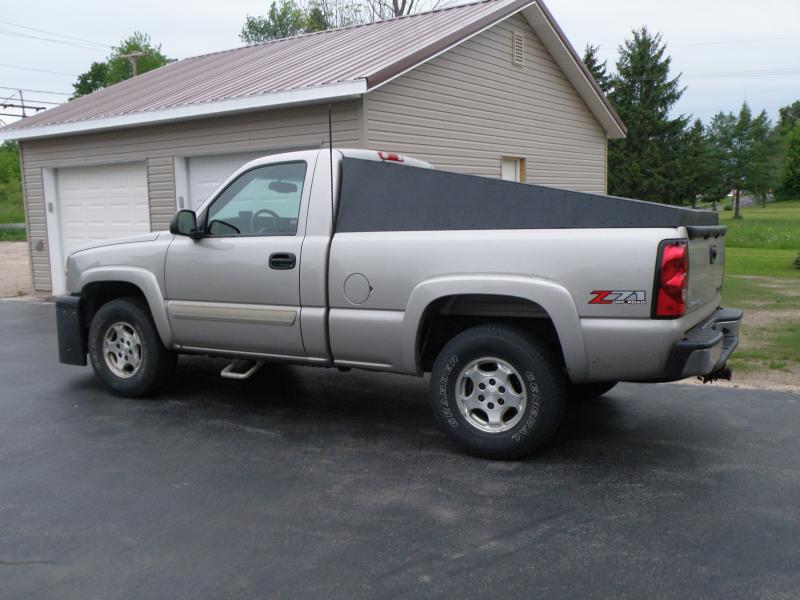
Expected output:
(539, 374)
(583, 392)
(156, 363)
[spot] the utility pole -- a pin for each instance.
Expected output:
(132, 58)
(22, 104)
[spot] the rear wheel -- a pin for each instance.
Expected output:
(125, 350)
(498, 391)
(589, 391)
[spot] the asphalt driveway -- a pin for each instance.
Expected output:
(307, 483)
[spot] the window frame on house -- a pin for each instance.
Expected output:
(516, 164)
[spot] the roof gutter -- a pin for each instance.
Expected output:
(286, 98)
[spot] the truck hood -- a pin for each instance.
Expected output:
(114, 260)
(144, 237)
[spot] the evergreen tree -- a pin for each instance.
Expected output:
(599, 70)
(761, 171)
(715, 182)
(647, 163)
(694, 159)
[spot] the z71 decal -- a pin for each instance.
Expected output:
(618, 297)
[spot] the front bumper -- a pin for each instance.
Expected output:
(705, 348)
(71, 331)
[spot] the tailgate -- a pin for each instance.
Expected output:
(706, 264)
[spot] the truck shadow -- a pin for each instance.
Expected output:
(634, 422)
(379, 411)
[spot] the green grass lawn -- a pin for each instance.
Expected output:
(760, 262)
(13, 235)
(760, 278)
(776, 226)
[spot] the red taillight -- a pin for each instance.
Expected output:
(393, 156)
(673, 279)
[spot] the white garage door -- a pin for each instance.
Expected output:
(99, 203)
(205, 173)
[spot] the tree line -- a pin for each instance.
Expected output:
(676, 160)
(285, 18)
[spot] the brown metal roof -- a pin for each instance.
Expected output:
(370, 53)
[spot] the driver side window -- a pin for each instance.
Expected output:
(262, 201)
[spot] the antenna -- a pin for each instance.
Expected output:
(330, 150)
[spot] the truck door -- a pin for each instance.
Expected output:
(238, 287)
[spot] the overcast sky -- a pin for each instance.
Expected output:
(728, 51)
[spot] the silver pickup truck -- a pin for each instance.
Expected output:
(514, 297)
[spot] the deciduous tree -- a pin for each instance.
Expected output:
(791, 164)
(117, 68)
(282, 20)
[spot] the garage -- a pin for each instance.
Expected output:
(200, 118)
(205, 173)
(91, 204)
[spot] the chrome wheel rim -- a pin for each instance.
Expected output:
(491, 395)
(122, 350)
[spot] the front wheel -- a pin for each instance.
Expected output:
(498, 391)
(125, 350)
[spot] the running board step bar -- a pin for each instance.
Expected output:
(241, 369)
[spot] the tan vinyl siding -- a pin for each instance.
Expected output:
(288, 129)
(33, 195)
(161, 190)
(468, 107)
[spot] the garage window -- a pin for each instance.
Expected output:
(512, 168)
(262, 201)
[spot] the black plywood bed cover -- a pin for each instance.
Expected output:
(377, 196)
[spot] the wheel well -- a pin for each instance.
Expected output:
(99, 293)
(446, 317)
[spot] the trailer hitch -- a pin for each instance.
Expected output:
(721, 373)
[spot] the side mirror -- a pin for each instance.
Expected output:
(184, 222)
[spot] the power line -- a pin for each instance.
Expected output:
(773, 72)
(36, 100)
(55, 41)
(39, 70)
(742, 41)
(721, 42)
(63, 35)
(35, 91)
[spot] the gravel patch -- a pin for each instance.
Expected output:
(15, 270)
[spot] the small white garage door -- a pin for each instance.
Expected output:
(103, 202)
(205, 173)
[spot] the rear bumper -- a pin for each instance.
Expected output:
(71, 332)
(706, 347)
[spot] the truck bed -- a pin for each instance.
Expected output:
(377, 196)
